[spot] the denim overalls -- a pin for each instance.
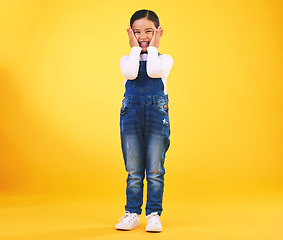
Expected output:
(145, 130)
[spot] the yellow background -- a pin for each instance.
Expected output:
(61, 91)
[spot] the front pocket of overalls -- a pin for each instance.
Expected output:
(162, 107)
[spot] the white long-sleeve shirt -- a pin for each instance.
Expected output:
(156, 67)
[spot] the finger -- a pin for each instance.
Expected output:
(157, 34)
(130, 32)
(154, 33)
(130, 29)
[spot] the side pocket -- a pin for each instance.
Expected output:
(124, 108)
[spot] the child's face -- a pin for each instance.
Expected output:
(143, 30)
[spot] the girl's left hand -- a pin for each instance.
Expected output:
(155, 41)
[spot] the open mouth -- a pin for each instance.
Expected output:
(144, 44)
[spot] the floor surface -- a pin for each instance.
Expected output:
(257, 217)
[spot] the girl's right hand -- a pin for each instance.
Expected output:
(133, 42)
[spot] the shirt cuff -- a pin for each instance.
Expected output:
(152, 49)
(136, 49)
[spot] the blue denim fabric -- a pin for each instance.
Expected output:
(145, 131)
(143, 85)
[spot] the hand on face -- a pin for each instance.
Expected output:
(133, 42)
(155, 41)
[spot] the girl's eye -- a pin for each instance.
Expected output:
(136, 32)
(148, 31)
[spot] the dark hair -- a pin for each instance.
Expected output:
(150, 15)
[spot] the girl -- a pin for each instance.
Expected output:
(144, 121)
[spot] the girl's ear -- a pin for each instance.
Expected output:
(161, 33)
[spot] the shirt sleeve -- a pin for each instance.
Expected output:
(130, 64)
(158, 66)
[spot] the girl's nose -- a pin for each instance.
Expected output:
(143, 36)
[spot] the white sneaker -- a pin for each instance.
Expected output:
(128, 221)
(153, 223)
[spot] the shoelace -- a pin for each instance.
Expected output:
(126, 214)
(153, 217)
